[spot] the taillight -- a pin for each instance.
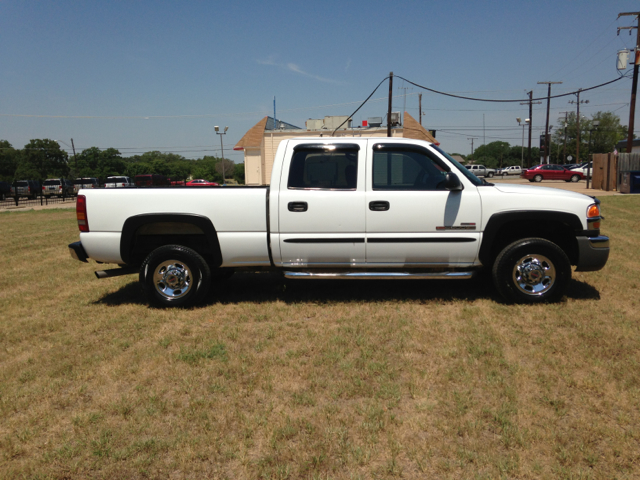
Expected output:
(81, 213)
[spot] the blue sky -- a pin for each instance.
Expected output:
(158, 75)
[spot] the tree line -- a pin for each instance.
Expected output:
(562, 144)
(43, 158)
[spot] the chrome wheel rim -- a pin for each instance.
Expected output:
(534, 274)
(172, 279)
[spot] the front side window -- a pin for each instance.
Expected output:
(406, 170)
(324, 167)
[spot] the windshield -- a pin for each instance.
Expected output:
(52, 182)
(117, 180)
(472, 178)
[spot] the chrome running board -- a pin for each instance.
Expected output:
(380, 275)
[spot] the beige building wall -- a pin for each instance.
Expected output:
(253, 166)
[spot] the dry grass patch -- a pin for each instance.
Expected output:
(282, 379)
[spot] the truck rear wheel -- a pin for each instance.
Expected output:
(174, 276)
(532, 270)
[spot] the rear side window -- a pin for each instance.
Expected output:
(324, 167)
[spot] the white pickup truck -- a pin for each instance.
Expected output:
(357, 208)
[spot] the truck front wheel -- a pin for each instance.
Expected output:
(174, 276)
(532, 270)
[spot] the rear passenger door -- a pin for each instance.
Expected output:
(321, 205)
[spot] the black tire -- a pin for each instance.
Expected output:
(531, 180)
(490, 174)
(537, 178)
(531, 270)
(174, 276)
(575, 178)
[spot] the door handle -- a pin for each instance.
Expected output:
(380, 206)
(298, 206)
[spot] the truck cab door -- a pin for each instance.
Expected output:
(321, 205)
(412, 220)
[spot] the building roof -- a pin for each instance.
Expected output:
(253, 138)
(412, 129)
(622, 144)
(280, 125)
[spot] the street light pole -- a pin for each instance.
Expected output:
(526, 121)
(218, 132)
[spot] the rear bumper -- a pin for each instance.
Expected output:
(76, 250)
(593, 253)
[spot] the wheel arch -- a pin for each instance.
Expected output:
(173, 224)
(504, 228)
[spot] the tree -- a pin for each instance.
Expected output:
(8, 161)
(604, 138)
(42, 159)
(226, 167)
(93, 162)
(238, 173)
(494, 155)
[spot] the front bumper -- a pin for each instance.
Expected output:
(593, 253)
(76, 250)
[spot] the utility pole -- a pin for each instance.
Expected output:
(75, 159)
(472, 139)
(420, 107)
(530, 103)
(389, 110)
(564, 151)
(546, 130)
(578, 102)
(634, 87)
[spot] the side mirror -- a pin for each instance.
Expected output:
(452, 182)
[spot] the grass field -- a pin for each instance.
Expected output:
(276, 379)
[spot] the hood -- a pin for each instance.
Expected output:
(532, 190)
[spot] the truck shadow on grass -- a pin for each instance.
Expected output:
(270, 287)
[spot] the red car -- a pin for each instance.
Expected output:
(201, 183)
(551, 172)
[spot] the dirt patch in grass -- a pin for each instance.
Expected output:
(273, 378)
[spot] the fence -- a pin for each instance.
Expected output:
(13, 202)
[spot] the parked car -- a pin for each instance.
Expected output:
(585, 168)
(60, 187)
(5, 190)
(571, 166)
(201, 183)
(151, 180)
(481, 171)
(26, 188)
(551, 172)
(118, 182)
(512, 170)
(80, 183)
